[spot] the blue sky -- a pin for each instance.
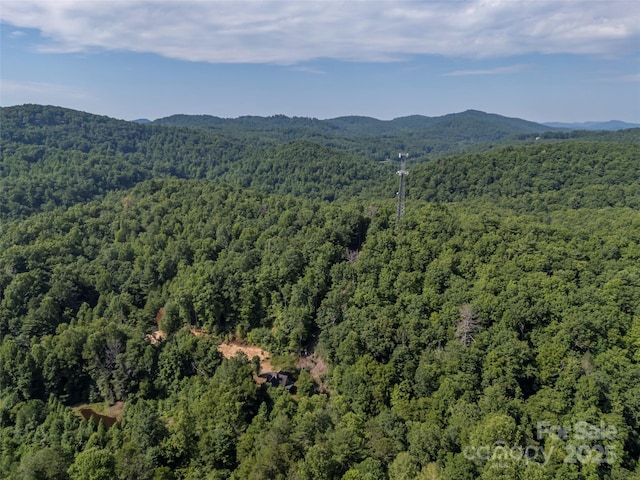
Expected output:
(557, 60)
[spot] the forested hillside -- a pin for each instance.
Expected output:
(537, 178)
(55, 157)
(423, 137)
(58, 157)
(493, 332)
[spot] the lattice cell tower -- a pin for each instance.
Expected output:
(402, 173)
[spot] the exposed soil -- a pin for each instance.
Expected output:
(229, 349)
(313, 363)
(109, 416)
(156, 336)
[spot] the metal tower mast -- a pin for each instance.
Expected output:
(402, 173)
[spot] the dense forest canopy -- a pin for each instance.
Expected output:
(57, 157)
(54, 157)
(537, 177)
(493, 332)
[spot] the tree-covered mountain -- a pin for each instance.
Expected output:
(420, 135)
(53, 157)
(493, 332)
(493, 125)
(57, 157)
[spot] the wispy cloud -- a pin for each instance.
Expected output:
(311, 70)
(634, 78)
(293, 32)
(489, 71)
(15, 92)
(615, 77)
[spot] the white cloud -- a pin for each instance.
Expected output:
(490, 71)
(291, 32)
(311, 70)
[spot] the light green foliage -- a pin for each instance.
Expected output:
(93, 464)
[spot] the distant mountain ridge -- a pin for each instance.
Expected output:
(611, 125)
(363, 125)
(418, 135)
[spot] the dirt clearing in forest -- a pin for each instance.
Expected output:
(109, 415)
(229, 349)
(156, 336)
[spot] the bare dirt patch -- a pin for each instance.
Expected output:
(156, 336)
(230, 349)
(109, 415)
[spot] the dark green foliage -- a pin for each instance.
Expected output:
(423, 137)
(379, 139)
(511, 299)
(540, 178)
(58, 157)
(47, 463)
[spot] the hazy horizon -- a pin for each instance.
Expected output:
(543, 61)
